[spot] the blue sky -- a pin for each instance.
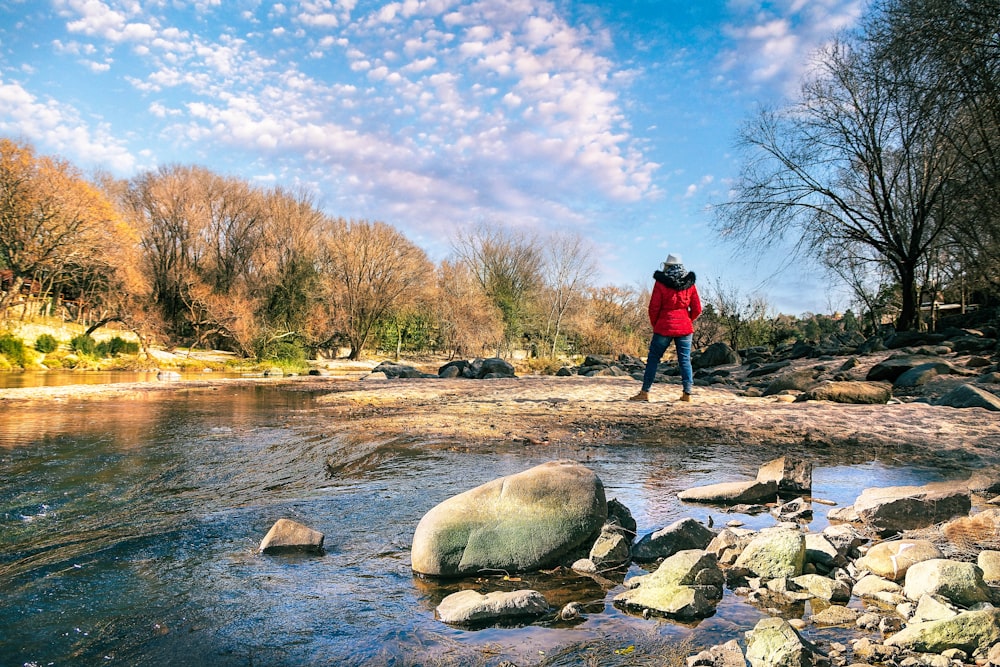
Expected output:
(616, 120)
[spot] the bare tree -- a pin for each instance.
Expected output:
(370, 269)
(742, 315)
(507, 264)
(470, 322)
(862, 160)
(568, 267)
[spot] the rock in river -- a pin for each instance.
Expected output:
(517, 523)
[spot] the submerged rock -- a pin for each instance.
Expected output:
(517, 523)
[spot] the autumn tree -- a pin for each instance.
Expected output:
(369, 269)
(52, 221)
(470, 322)
(616, 321)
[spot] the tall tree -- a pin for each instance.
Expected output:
(861, 162)
(954, 43)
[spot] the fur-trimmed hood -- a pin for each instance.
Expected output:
(683, 283)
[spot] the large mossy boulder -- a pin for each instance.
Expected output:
(522, 522)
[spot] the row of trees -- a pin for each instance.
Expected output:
(184, 255)
(887, 167)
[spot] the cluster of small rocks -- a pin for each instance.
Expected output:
(912, 362)
(912, 601)
(476, 369)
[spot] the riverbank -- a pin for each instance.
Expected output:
(551, 412)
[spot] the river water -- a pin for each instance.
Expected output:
(129, 529)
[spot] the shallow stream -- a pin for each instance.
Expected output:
(129, 529)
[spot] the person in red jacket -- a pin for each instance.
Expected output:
(673, 308)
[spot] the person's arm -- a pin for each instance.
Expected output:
(694, 308)
(654, 304)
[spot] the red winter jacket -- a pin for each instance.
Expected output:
(674, 305)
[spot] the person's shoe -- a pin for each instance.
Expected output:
(641, 396)
(685, 397)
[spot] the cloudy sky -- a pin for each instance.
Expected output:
(614, 119)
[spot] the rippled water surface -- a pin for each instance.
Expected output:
(128, 534)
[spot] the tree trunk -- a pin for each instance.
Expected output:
(908, 312)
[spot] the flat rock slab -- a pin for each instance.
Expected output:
(731, 493)
(471, 607)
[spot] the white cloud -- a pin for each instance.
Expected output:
(58, 128)
(774, 45)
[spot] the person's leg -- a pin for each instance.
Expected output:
(683, 344)
(657, 346)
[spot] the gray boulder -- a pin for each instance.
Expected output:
(678, 536)
(890, 510)
(890, 369)
(922, 374)
(495, 367)
(969, 396)
(799, 380)
(394, 371)
(687, 585)
(610, 550)
(470, 607)
(716, 354)
(517, 523)
(962, 583)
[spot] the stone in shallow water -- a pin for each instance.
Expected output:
(290, 536)
(471, 607)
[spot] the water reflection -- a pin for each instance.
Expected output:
(128, 532)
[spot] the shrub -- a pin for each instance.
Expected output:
(83, 345)
(116, 346)
(46, 343)
(15, 350)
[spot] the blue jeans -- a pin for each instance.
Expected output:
(657, 347)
